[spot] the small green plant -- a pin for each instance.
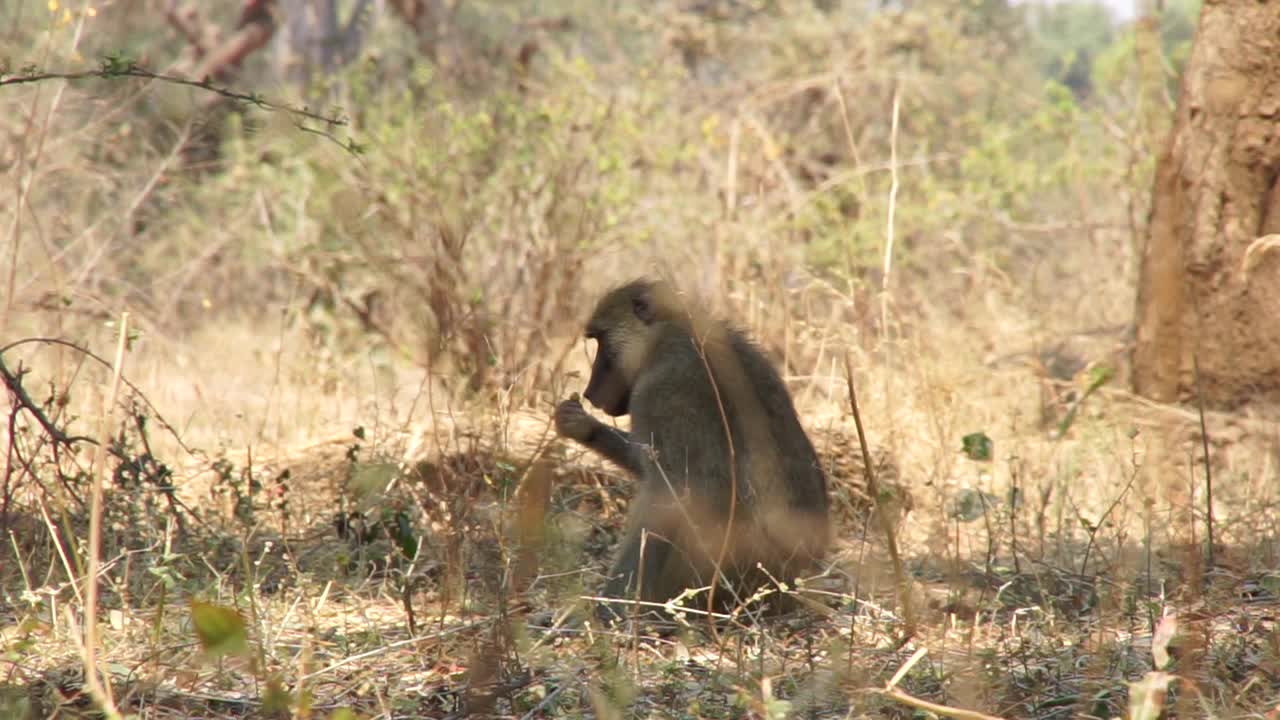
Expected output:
(977, 446)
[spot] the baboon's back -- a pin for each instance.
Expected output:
(803, 479)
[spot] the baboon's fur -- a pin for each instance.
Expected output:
(752, 500)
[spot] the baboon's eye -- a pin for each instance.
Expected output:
(640, 306)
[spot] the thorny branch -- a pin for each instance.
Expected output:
(118, 66)
(45, 422)
(13, 382)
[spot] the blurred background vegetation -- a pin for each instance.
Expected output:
(518, 156)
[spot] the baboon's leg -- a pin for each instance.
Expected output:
(637, 573)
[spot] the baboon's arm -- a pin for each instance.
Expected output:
(573, 421)
(617, 445)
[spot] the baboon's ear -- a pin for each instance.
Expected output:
(642, 307)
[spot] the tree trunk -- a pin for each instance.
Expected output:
(1209, 284)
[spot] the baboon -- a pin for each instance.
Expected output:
(726, 475)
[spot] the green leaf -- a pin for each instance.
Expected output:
(116, 63)
(1099, 375)
(276, 698)
(1271, 583)
(221, 630)
(15, 702)
(369, 482)
(970, 504)
(406, 539)
(977, 446)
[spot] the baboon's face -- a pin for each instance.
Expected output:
(622, 328)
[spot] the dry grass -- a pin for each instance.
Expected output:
(305, 442)
(1029, 611)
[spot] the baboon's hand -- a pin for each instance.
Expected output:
(573, 421)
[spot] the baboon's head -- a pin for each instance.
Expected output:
(623, 326)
